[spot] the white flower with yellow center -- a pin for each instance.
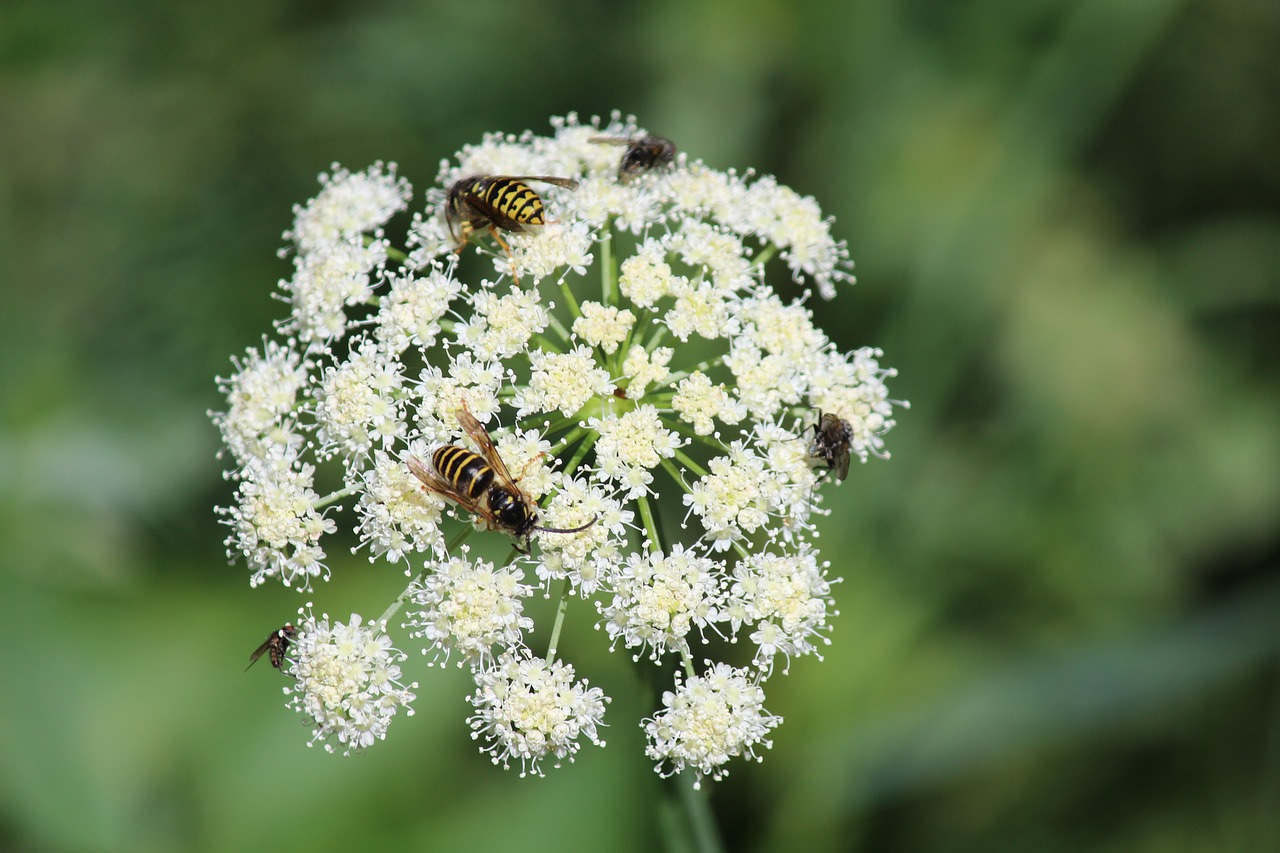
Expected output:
(469, 606)
(529, 710)
(787, 598)
(707, 720)
(261, 397)
(277, 524)
(359, 406)
(347, 680)
(502, 325)
(603, 326)
(348, 206)
(658, 599)
(561, 382)
(632, 445)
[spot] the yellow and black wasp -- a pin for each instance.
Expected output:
(642, 155)
(832, 436)
(276, 644)
(481, 484)
(496, 202)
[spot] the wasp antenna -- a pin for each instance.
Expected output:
(569, 530)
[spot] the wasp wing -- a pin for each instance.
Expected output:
(483, 210)
(433, 482)
(567, 183)
(488, 449)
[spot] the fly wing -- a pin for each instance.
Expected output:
(258, 652)
(842, 465)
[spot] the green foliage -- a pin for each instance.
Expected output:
(1058, 625)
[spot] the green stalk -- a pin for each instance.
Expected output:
(333, 496)
(574, 309)
(650, 523)
(766, 255)
(404, 596)
(583, 449)
(608, 275)
(689, 463)
(674, 473)
(555, 628)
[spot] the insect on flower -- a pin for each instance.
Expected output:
(642, 155)
(496, 202)
(832, 435)
(481, 484)
(277, 643)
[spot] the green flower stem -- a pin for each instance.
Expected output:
(549, 428)
(555, 628)
(685, 817)
(404, 596)
(686, 658)
(677, 375)
(583, 449)
(766, 255)
(650, 523)
(393, 254)
(689, 463)
(334, 496)
(686, 429)
(674, 473)
(659, 332)
(555, 324)
(548, 345)
(564, 443)
(635, 335)
(608, 270)
(697, 809)
(570, 300)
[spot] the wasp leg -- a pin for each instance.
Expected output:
(493, 229)
(466, 228)
(528, 465)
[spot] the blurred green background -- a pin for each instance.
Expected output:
(1060, 613)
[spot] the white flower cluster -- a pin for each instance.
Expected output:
(629, 404)
(709, 719)
(469, 606)
(348, 681)
(528, 709)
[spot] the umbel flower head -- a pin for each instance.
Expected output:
(347, 681)
(576, 350)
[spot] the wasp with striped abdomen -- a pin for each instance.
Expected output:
(498, 203)
(481, 484)
(642, 155)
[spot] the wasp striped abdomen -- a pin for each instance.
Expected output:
(497, 203)
(512, 197)
(466, 473)
(481, 484)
